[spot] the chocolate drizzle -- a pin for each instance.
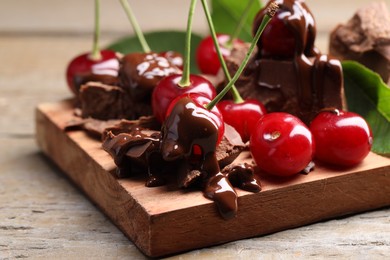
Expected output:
(301, 84)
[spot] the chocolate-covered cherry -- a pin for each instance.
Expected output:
(277, 40)
(169, 88)
(206, 54)
(85, 65)
(242, 116)
(281, 144)
(341, 137)
(140, 72)
(290, 32)
(190, 128)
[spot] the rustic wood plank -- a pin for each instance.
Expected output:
(161, 221)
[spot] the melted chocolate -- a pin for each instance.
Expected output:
(300, 85)
(135, 149)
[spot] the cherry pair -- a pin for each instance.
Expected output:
(283, 145)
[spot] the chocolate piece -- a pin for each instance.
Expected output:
(104, 102)
(365, 38)
(126, 126)
(99, 128)
(230, 147)
(137, 151)
(82, 79)
(93, 127)
(301, 85)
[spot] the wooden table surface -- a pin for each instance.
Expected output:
(42, 214)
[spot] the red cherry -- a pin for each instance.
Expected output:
(206, 54)
(281, 144)
(277, 39)
(83, 65)
(168, 89)
(342, 138)
(242, 116)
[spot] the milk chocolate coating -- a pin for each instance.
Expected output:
(301, 85)
(365, 38)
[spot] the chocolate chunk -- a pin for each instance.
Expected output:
(365, 38)
(126, 126)
(230, 147)
(302, 84)
(104, 102)
(302, 90)
(82, 79)
(136, 151)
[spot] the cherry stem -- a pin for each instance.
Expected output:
(185, 78)
(95, 54)
(241, 23)
(136, 27)
(270, 13)
(236, 96)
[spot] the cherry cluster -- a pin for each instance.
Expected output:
(280, 143)
(283, 145)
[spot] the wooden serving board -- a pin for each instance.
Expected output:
(162, 221)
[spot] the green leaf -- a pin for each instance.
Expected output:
(369, 96)
(158, 42)
(227, 13)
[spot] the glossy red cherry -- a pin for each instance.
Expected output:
(206, 54)
(277, 39)
(168, 89)
(342, 138)
(83, 64)
(281, 144)
(242, 116)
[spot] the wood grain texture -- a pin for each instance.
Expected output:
(162, 221)
(43, 215)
